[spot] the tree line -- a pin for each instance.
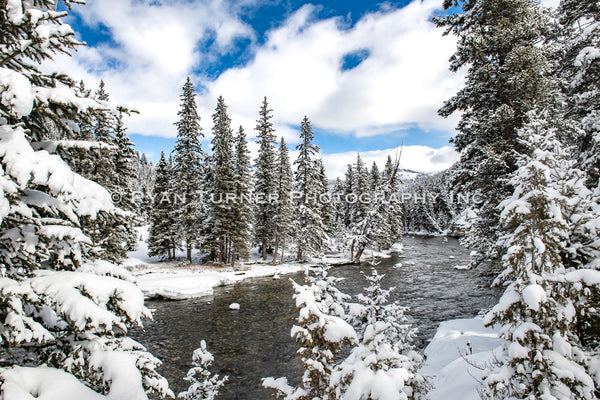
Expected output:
(221, 204)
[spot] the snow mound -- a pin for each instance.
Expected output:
(234, 306)
(457, 347)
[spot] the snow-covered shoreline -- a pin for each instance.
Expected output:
(179, 281)
(454, 357)
(185, 283)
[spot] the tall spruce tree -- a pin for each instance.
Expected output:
(243, 218)
(161, 238)
(264, 177)
(284, 210)
(66, 313)
(499, 42)
(188, 158)
(579, 43)
(222, 192)
(310, 230)
(324, 199)
(545, 299)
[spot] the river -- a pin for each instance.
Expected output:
(255, 342)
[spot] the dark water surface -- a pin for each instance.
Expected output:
(255, 341)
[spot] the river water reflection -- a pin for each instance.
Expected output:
(255, 341)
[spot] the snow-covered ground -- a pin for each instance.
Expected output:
(455, 356)
(180, 280)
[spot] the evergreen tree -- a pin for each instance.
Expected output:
(65, 313)
(348, 195)
(320, 335)
(499, 42)
(222, 164)
(284, 217)
(310, 230)
(324, 199)
(264, 177)
(188, 157)
(384, 363)
(338, 208)
(125, 174)
(544, 299)
(580, 69)
(359, 209)
(161, 238)
(103, 131)
(204, 385)
(374, 177)
(124, 163)
(242, 228)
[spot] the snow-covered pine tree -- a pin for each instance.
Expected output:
(264, 180)
(580, 69)
(161, 237)
(124, 163)
(145, 171)
(374, 177)
(324, 199)
(222, 203)
(498, 40)
(188, 158)
(284, 211)
(383, 364)
(310, 230)
(126, 177)
(376, 217)
(338, 205)
(359, 208)
(348, 195)
(204, 385)
(104, 130)
(241, 234)
(65, 315)
(320, 335)
(545, 299)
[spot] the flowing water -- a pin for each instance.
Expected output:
(255, 342)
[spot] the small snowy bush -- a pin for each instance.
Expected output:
(203, 384)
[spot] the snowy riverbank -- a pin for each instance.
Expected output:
(177, 281)
(454, 354)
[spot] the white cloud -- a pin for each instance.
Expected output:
(401, 84)
(154, 47)
(415, 158)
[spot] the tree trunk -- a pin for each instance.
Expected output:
(352, 250)
(358, 254)
(264, 248)
(276, 250)
(189, 251)
(233, 259)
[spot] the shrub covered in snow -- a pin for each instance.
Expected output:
(383, 365)
(320, 335)
(203, 384)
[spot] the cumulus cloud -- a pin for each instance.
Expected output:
(154, 45)
(401, 83)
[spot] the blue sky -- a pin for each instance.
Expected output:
(369, 75)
